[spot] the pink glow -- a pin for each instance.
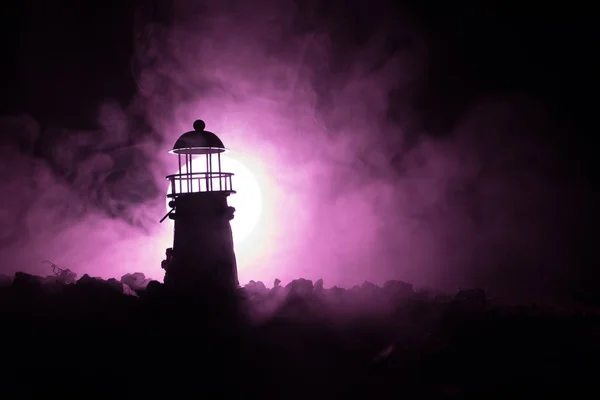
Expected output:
(324, 214)
(344, 197)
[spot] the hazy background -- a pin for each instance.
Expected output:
(438, 145)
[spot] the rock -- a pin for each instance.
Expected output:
(398, 288)
(136, 281)
(27, 283)
(318, 285)
(300, 286)
(472, 296)
(256, 288)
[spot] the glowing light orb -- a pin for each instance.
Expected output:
(247, 200)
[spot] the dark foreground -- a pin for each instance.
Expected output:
(91, 340)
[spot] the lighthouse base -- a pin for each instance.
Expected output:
(203, 253)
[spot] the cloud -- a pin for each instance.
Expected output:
(353, 186)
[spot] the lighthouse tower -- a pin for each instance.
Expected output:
(202, 256)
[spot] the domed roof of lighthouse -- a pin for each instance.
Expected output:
(198, 141)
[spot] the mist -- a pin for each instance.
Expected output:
(354, 186)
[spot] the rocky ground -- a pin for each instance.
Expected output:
(131, 337)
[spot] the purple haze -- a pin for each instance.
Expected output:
(346, 197)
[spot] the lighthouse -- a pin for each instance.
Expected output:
(202, 256)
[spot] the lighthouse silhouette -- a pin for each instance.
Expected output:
(202, 257)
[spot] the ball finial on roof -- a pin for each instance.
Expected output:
(199, 125)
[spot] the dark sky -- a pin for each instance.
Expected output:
(83, 51)
(63, 59)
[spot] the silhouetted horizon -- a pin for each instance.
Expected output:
(133, 337)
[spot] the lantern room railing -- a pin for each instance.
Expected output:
(196, 182)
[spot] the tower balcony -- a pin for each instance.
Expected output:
(199, 182)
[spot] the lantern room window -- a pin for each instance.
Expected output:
(206, 146)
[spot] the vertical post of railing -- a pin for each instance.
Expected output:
(188, 158)
(206, 173)
(187, 175)
(210, 168)
(179, 171)
(219, 168)
(172, 186)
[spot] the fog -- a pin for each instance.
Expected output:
(354, 187)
